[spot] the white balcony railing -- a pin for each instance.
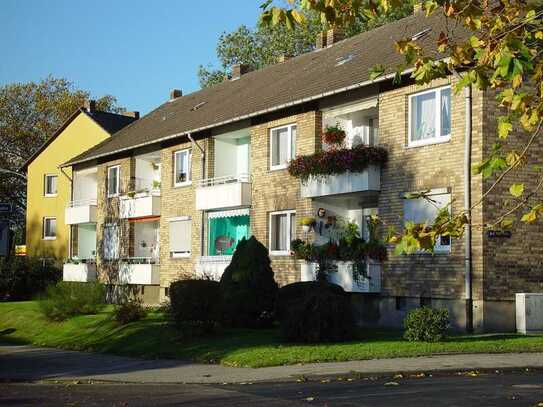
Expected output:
(223, 192)
(349, 182)
(139, 270)
(80, 211)
(82, 271)
(139, 206)
(212, 266)
(370, 282)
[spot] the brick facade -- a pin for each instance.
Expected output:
(499, 267)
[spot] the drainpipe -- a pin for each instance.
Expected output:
(467, 206)
(202, 151)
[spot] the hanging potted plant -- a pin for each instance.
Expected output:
(307, 223)
(334, 136)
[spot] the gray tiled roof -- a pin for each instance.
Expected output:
(307, 77)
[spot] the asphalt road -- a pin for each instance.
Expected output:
(520, 388)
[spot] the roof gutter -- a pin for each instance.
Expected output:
(247, 116)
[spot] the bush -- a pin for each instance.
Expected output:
(129, 311)
(248, 287)
(66, 299)
(426, 324)
(314, 311)
(196, 303)
(23, 278)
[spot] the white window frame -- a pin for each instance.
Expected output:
(438, 248)
(439, 138)
(180, 255)
(187, 151)
(45, 219)
(118, 184)
(290, 154)
(289, 229)
(45, 193)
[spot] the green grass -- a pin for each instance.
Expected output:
(153, 337)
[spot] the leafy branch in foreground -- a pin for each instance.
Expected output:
(501, 53)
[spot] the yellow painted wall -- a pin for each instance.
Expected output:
(80, 135)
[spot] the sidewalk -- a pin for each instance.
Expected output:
(31, 363)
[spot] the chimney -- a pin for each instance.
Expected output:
(417, 7)
(90, 105)
(321, 40)
(238, 70)
(334, 35)
(135, 115)
(176, 93)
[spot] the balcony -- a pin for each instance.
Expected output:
(78, 212)
(141, 271)
(139, 206)
(223, 192)
(347, 183)
(82, 272)
(370, 282)
(212, 266)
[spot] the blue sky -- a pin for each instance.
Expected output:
(135, 50)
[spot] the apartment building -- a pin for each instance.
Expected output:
(180, 187)
(49, 188)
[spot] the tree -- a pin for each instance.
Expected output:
(265, 45)
(30, 113)
(502, 53)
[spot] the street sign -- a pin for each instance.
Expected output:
(20, 250)
(5, 207)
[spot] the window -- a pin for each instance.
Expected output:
(111, 242)
(225, 232)
(182, 167)
(430, 117)
(50, 185)
(282, 146)
(425, 301)
(113, 181)
(423, 211)
(180, 237)
(282, 232)
(49, 228)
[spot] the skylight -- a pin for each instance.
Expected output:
(344, 59)
(421, 34)
(198, 106)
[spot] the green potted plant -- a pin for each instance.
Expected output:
(334, 136)
(307, 222)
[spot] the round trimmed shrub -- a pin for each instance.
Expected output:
(195, 302)
(314, 311)
(426, 324)
(249, 290)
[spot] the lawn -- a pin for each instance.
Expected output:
(153, 337)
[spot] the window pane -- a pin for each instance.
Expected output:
(293, 143)
(226, 233)
(423, 120)
(182, 166)
(49, 227)
(279, 146)
(113, 175)
(446, 112)
(292, 228)
(279, 232)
